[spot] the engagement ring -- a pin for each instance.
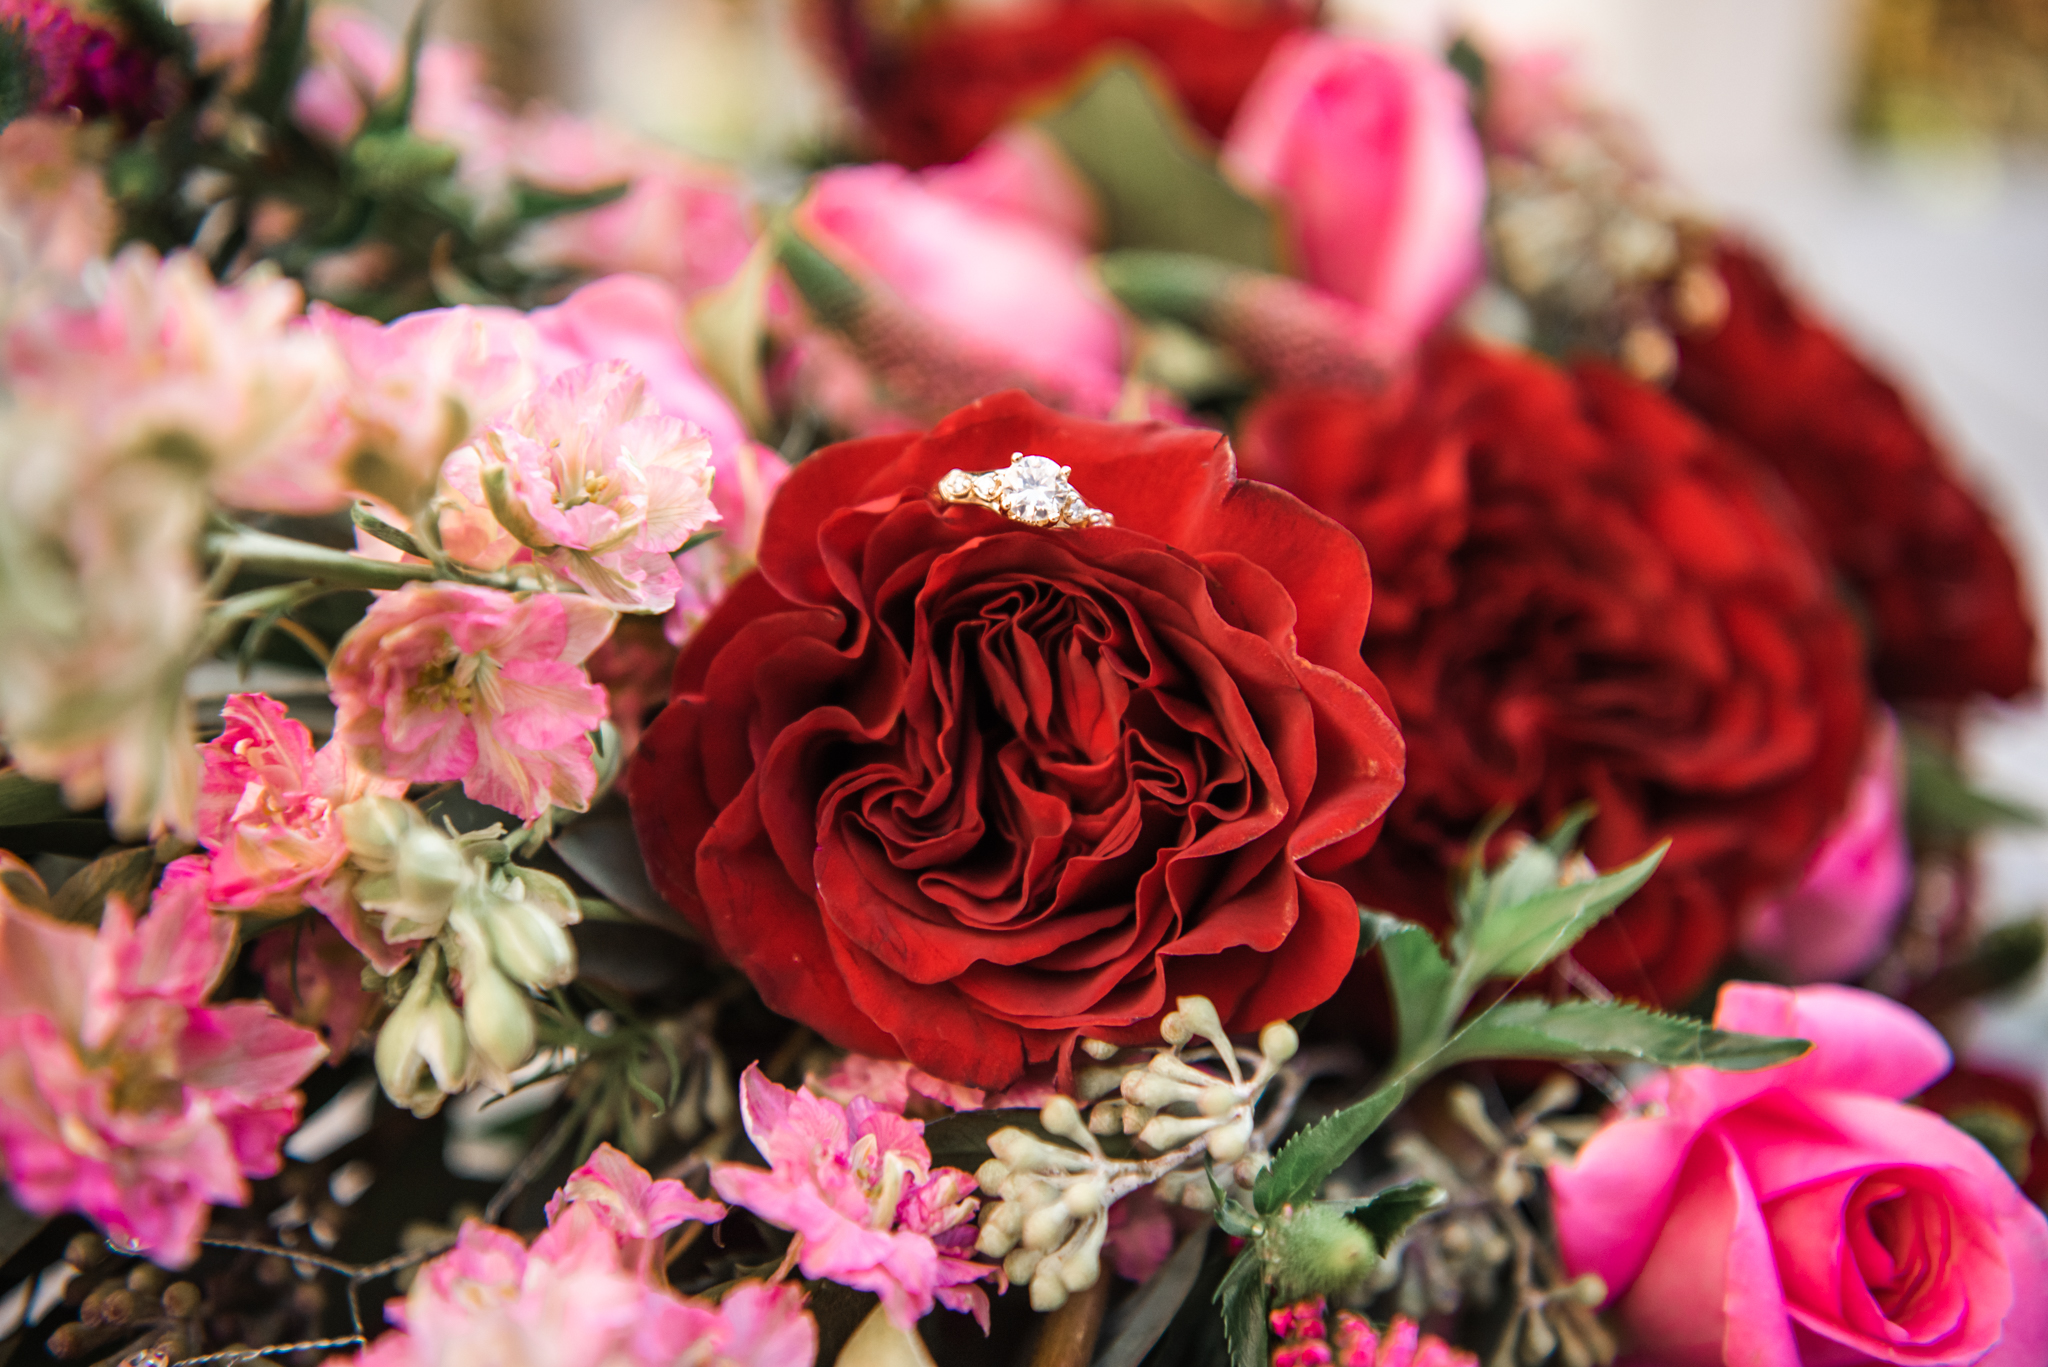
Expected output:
(1033, 491)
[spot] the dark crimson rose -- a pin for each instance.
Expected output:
(932, 93)
(1583, 594)
(1943, 595)
(959, 789)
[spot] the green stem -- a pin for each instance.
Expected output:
(262, 551)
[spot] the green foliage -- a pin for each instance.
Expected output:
(1242, 1298)
(26, 801)
(1158, 186)
(1387, 1214)
(20, 77)
(1529, 1028)
(1512, 919)
(1942, 808)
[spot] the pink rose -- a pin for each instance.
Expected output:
(1801, 1216)
(444, 681)
(1840, 917)
(1371, 152)
(1012, 298)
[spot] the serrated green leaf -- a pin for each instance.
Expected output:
(1510, 939)
(1610, 1031)
(1418, 977)
(26, 801)
(1158, 186)
(1242, 1297)
(1299, 1169)
(1386, 1215)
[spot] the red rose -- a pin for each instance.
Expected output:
(959, 789)
(1582, 594)
(1943, 596)
(932, 94)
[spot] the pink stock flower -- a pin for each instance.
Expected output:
(635, 1207)
(1801, 1216)
(419, 387)
(1370, 151)
(445, 681)
(314, 978)
(122, 1095)
(856, 1184)
(354, 62)
(681, 222)
(590, 477)
(1307, 1340)
(1840, 917)
(267, 806)
(584, 1294)
(1013, 296)
(210, 376)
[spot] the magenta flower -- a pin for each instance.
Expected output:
(267, 807)
(593, 479)
(122, 1095)
(1840, 917)
(855, 1183)
(446, 681)
(83, 66)
(1306, 1340)
(635, 1207)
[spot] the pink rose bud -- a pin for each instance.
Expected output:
(1840, 917)
(1370, 151)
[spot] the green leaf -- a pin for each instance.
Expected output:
(1942, 807)
(1610, 1031)
(1158, 185)
(1299, 1169)
(1510, 939)
(1180, 286)
(1386, 1215)
(728, 325)
(1242, 1297)
(833, 294)
(1417, 975)
(26, 801)
(534, 203)
(127, 874)
(280, 60)
(396, 113)
(20, 75)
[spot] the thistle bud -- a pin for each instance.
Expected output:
(422, 1053)
(1315, 1250)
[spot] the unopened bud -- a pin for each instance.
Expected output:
(1048, 1292)
(1218, 1101)
(1061, 1116)
(1279, 1043)
(1081, 1270)
(1046, 1228)
(422, 1053)
(991, 1175)
(528, 941)
(1164, 1132)
(1022, 1263)
(1001, 1229)
(498, 1017)
(1315, 1250)
(1086, 1197)
(1589, 1290)
(372, 828)
(1101, 1050)
(1107, 1118)
(1228, 1142)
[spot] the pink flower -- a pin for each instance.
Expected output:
(856, 1184)
(1370, 151)
(590, 477)
(122, 1095)
(57, 211)
(586, 1294)
(267, 806)
(635, 1207)
(1800, 1216)
(891, 1083)
(314, 978)
(420, 387)
(1306, 1341)
(170, 364)
(1014, 298)
(1840, 917)
(444, 681)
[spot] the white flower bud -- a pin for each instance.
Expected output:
(1095, 1083)
(1086, 1197)
(1046, 1228)
(1048, 1292)
(1279, 1043)
(1021, 1264)
(499, 1019)
(1218, 1101)
(1080, 1270)
(528, 941)
(1000, 1230)
(1229, 1141)
(1171, 1131)
(1101, 1050)
(1061, 1116)
(1149, 1089)
(1107, 1118)
(422, 1054)
(991, 1175)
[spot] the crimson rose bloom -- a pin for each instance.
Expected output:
(959, 789)
(934, 93)
(1944, 598)
(1582, 594)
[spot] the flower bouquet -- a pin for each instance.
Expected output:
(1223, 693)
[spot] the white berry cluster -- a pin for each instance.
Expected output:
(1189, 1125)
